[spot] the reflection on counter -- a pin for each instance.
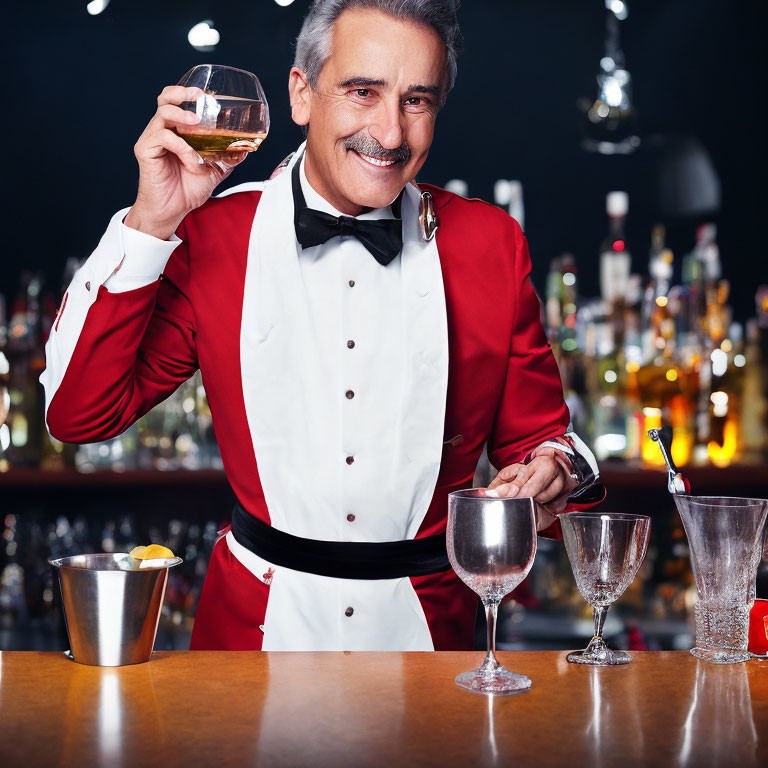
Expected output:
(111, 729)
(720, 715)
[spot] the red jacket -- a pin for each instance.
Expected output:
(504, 387)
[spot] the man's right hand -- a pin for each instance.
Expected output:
(172, 178)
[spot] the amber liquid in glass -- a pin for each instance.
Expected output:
(228, 124)
(214, 141)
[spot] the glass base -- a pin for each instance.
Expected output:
(721, 655)
(598, 654)
(498, 681)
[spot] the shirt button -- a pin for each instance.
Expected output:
(350, 394)
(349, 611)
(350, 459)
(350, 518)
(351, 344)
(351, 283)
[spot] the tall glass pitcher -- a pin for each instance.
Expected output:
(726, 536)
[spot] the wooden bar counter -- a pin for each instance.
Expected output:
(379, 709)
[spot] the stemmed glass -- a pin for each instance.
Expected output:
(491, 546)
(606, 551)
(233, 111)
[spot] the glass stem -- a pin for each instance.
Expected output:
(599, 617)
(491, 613)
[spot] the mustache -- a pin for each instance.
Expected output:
(366, 145)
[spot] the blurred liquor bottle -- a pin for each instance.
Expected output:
(24, 439)
(718, 422)
(724, 443)
(661, 378)
(606, 336)
(631, 360)
(57, 455)
(754, 362)
(615, 265)
(26, 361)
(608, 413)
(561, 313)
(13, 607)
(5, 397)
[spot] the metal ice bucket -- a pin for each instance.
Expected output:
(111, 613)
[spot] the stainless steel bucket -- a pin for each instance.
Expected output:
(111, 613)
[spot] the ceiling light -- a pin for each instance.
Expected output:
(95, 7)
(203, 36)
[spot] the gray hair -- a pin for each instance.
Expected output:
(313, 45)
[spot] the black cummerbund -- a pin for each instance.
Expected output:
(341, 559)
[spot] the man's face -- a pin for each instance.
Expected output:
(372, 117)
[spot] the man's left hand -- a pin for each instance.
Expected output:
(544, 479)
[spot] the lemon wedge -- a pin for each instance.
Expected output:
(156, 550)
(152, 552)
(137, 552)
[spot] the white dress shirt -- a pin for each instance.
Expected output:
(356, 310)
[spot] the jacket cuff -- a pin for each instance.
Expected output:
(576, 458)
(144, 259)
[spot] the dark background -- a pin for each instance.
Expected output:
(81, 88)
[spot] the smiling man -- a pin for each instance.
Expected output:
(361, 337)
(371, 108)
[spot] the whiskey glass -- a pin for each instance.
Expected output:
(233, 111)
(605, 551)
(491, 545)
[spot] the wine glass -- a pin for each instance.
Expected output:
(233, 111)
(491, 546)
(605, 551)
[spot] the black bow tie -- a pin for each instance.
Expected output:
(383, 238)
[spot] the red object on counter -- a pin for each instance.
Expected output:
(758, 627)
(636, 639)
